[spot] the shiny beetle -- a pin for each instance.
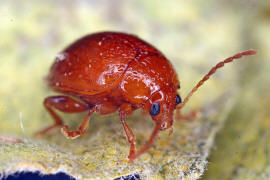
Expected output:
(111, 71)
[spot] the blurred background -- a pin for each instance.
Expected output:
(193, 35)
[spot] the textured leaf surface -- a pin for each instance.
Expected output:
(102, 153)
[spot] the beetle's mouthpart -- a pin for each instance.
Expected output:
(212, 71)
(164, 126)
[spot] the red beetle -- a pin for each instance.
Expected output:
(110, 71)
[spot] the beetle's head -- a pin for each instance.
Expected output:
(161, 106)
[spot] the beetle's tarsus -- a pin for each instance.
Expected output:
(81, 130)
(70, 134)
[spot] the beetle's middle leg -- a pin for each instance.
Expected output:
(101, 108)
(65, 104)
(81, 130)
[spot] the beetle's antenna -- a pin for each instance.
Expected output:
(212, 71)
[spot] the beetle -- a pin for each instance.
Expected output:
(111, 72)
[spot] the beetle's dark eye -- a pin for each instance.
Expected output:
(178, 99)
(155, 109)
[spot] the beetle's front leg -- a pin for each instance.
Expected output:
(64, 104)
(148, 144)
(124, 110)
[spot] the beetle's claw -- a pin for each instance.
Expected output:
(131, 158)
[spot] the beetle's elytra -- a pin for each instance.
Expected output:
(110, 71)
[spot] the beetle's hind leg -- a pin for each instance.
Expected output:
(65, 104)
